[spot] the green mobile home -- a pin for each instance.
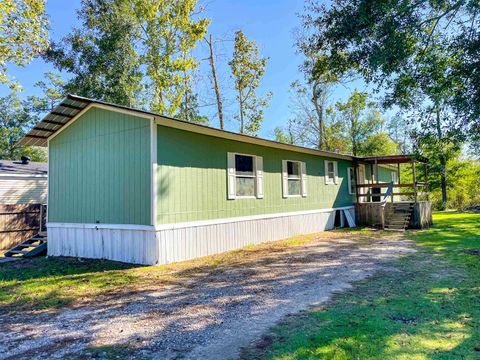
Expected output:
(134, 186)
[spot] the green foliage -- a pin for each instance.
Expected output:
(247, 70)
(189, 110)
(168, 34)
(462, 181)
(378, 144)
(133, 53)
(101, 54)
(53, 91)
(422, 306)
(23, 33)
(363, 124)
(283, 136)
(354, 126)
(15, 120)
(420, 52)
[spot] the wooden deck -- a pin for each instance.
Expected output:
(372, 214)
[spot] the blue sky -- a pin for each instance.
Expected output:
(270, 23)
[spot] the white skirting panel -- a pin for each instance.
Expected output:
(137, 246)
(188, 242)
(177, 242)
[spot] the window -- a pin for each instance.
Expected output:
(351, 181)
(245, 176)
(294, 178)
(331, 172)
(293, 174)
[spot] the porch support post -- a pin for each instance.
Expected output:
(372, 179)
(355, 174)
(398, 170)
(414, 181)
(425, 170)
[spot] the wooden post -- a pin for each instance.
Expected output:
(425, 170)
(355, 173)
(41, 218)
(414, 181)
(398, 170)
(370, 189)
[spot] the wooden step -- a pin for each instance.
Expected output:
(392, 229)
(16, 252)
(29, 245)
(36, 245)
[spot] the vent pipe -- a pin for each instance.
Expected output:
(25, 160)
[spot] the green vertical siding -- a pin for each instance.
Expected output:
(384, 173)
(100, 170)
(192, 179)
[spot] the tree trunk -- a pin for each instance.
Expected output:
(319, 111)
(187, 100)
(443, 160)
(241, 111)
(215, 83)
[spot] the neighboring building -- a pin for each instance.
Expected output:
(23, 182)
(138, 187)
(23, 192)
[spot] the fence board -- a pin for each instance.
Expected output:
(19, 222)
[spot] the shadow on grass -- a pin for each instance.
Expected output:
(426, 307)
(55, 282)
(39, 282)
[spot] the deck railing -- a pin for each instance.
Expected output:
(415, 193)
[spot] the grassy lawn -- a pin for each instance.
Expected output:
(427, 306)
(53, 283)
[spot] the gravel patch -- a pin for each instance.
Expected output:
(211, 315)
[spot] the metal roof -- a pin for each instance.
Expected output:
(72, 105)
(54, 121)
(17, 167)
(392, 159)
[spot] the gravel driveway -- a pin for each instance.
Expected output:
(211, 314)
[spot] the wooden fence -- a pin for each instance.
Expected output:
(19, 222)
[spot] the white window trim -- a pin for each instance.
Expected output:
(299, 178)
(349, 171)
(257, 176)
(329, 181)
(302, 168)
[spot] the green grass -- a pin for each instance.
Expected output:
(427, 307)
(54, 283)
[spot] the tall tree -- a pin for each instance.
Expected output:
(364, 126)
(23, 33)
(400, 132)
(101, 54)
(211, 60)
(309, 106)
(169, 34)
(247, 71)
(424, 54)
(132, 52)
(52, 92)
(15, 120)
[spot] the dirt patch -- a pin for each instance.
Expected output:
(208, 314)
